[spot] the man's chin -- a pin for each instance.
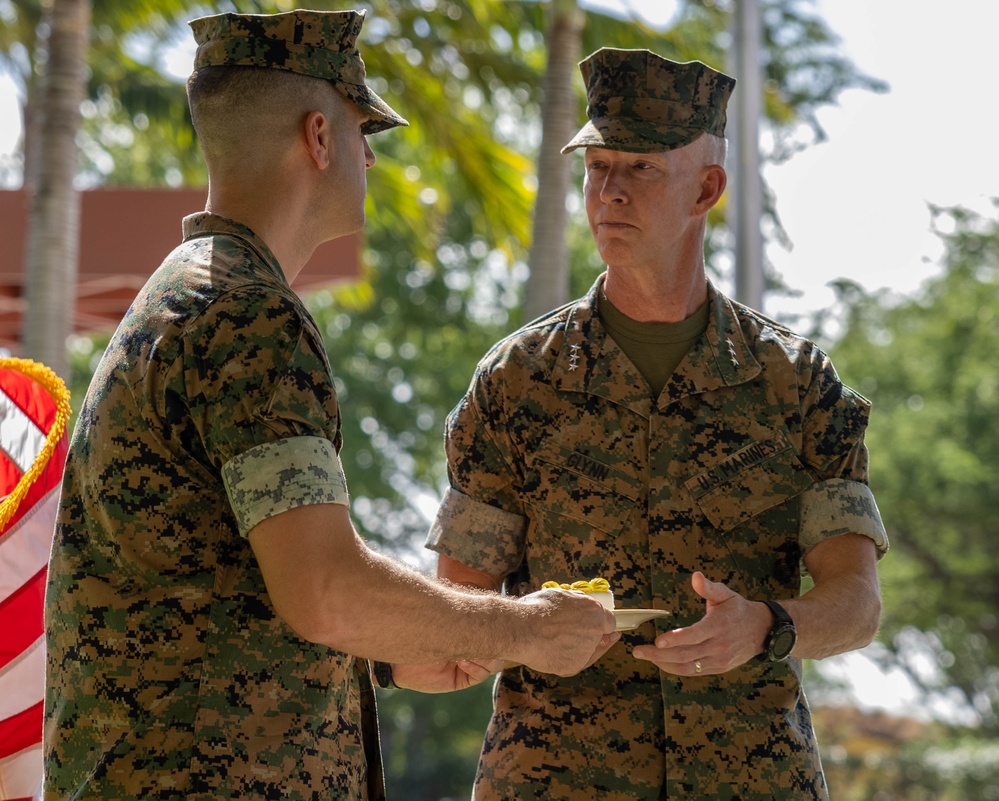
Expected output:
(343, 230)
(614, 252)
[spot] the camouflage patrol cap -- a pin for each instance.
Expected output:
(321, 44)
(640, 102)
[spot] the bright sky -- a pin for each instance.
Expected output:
(856, 206)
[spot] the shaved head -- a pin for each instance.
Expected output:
(246, 116)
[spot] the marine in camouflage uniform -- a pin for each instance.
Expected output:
(564, 465)
(169, 673)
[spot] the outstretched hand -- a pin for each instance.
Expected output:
(558, 632)
(565, 632)
(730, 634)
(444, 677)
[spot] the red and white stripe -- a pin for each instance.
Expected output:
(27, 414)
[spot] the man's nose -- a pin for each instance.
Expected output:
(612, 189)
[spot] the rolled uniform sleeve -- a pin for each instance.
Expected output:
(840, 506)
(277, 476)
(477, 534)
(480, 522)
(840, 501)
(262, 397)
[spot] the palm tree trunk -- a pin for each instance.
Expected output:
(548, 285)
(30, 139)
(54, 214)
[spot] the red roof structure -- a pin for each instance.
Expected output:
(124, 235)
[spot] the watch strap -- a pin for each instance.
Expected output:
(779, 612)
(382, 671)
(783, 622)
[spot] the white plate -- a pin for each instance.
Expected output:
(628, 619)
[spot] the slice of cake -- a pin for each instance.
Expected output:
(598, 589)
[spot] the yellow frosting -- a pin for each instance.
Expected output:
(593, 585)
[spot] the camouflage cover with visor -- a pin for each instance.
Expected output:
(320, 44)
(640, 102)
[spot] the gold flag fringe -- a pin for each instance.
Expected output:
(54, 385)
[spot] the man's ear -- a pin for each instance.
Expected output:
(319, 139)
(713, 182)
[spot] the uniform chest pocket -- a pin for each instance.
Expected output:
(752, 480)
(575, 485)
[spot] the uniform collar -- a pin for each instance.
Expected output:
(590, 361)
(720, 358)
(204, 223)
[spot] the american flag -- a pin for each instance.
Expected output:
(34, 409)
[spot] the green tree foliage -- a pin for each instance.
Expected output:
(431, 743)
(130, 103)
(930, 367)
(934, 765)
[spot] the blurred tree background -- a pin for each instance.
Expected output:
(445, 268)
(930, 363)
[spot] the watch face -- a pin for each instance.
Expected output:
(782, 643)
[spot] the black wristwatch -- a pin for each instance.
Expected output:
(382, 672)
(782, 636)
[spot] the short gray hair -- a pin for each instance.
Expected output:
(715, 148)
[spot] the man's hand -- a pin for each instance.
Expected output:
(838, 614)
(731, 633)
(565, 632)
(444, 677)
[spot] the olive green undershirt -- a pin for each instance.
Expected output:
(656, 349)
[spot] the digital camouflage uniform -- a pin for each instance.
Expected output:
(563, 467)
(169, 673)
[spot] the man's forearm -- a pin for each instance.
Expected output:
(842, 611)
(394, 614)
(462, 575)
(332, 589)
